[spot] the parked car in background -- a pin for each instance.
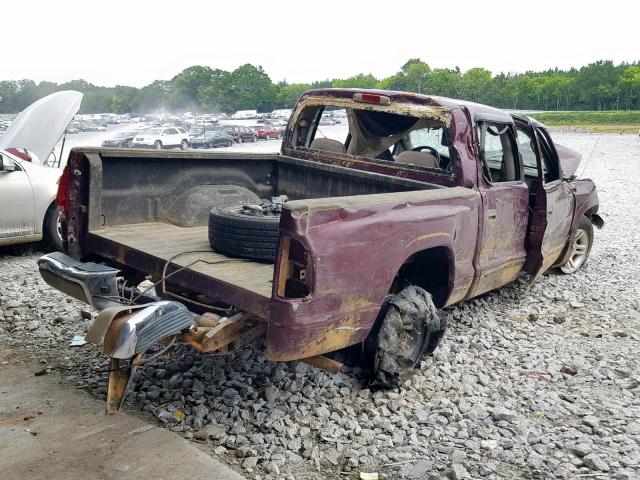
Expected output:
(121, 139)
(267, 132)
(212, 139)
(28, 187)
(162, 137)
(240, 134)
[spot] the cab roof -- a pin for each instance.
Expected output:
(477, 110)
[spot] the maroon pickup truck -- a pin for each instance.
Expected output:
(356, 235)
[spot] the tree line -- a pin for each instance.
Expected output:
(601, 85)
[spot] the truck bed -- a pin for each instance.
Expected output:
(146, 208)
(164, 242)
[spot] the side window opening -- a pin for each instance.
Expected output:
(550, 170)
(549, 157)
(500, 159)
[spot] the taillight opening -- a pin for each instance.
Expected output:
(294, 274)
(62, 196)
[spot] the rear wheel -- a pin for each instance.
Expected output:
(52, 229)
(240, 139)
(184, 145)
(580, 248)
(158, 145)
(410, 327)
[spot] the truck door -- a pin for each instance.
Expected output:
(16, 201)
(552, 200)
(505, 205)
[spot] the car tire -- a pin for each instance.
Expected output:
(184, 144)
(240, 140)
(580, 247)
(229, 143)
(408, 328)
(246, 236)
(52, 229)
(157, 145)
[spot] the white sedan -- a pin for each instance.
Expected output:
(28, 186)
(28, 212)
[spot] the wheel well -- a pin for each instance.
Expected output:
(429, 269)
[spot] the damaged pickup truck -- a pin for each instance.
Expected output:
(355, 235)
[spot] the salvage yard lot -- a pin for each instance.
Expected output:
(528, 383)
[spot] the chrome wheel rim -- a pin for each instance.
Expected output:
(579, 251)
(59, 226)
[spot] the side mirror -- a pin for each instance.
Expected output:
(6, 166)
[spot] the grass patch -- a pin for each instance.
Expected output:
(623, 118)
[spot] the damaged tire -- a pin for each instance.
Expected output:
(237, 234)
(410, 327)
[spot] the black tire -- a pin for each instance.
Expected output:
(409, 327)
(184, 144)
(229, 143)
(240, 140)
(235, 234)
(157, 145)
(51, 229)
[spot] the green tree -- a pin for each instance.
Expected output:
(288, 94)
(250, 88)
(476, 84)
(357, 81)
(629, 85)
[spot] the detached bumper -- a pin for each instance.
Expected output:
(88, 282)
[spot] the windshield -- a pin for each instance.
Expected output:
(152, 131)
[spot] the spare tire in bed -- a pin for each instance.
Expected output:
(244, 231)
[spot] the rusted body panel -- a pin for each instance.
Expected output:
(358, 245)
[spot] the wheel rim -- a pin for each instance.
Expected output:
(184, 145)
(59, 226)
(579, 250)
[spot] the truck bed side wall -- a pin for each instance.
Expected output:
(358, 245)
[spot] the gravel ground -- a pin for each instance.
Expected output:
(530, 382)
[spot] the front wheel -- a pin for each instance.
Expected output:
(580, 248)
(52, 229)
(184, 145)
(158, 145)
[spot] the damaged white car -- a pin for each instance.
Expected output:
(28, 184)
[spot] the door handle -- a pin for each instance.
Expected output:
(492, 214)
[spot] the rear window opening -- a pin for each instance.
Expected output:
(378, 136)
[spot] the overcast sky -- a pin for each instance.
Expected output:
(135, 42)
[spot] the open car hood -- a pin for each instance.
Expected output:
(569, 160)
(39, 126)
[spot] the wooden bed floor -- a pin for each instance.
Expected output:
(164, 241)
